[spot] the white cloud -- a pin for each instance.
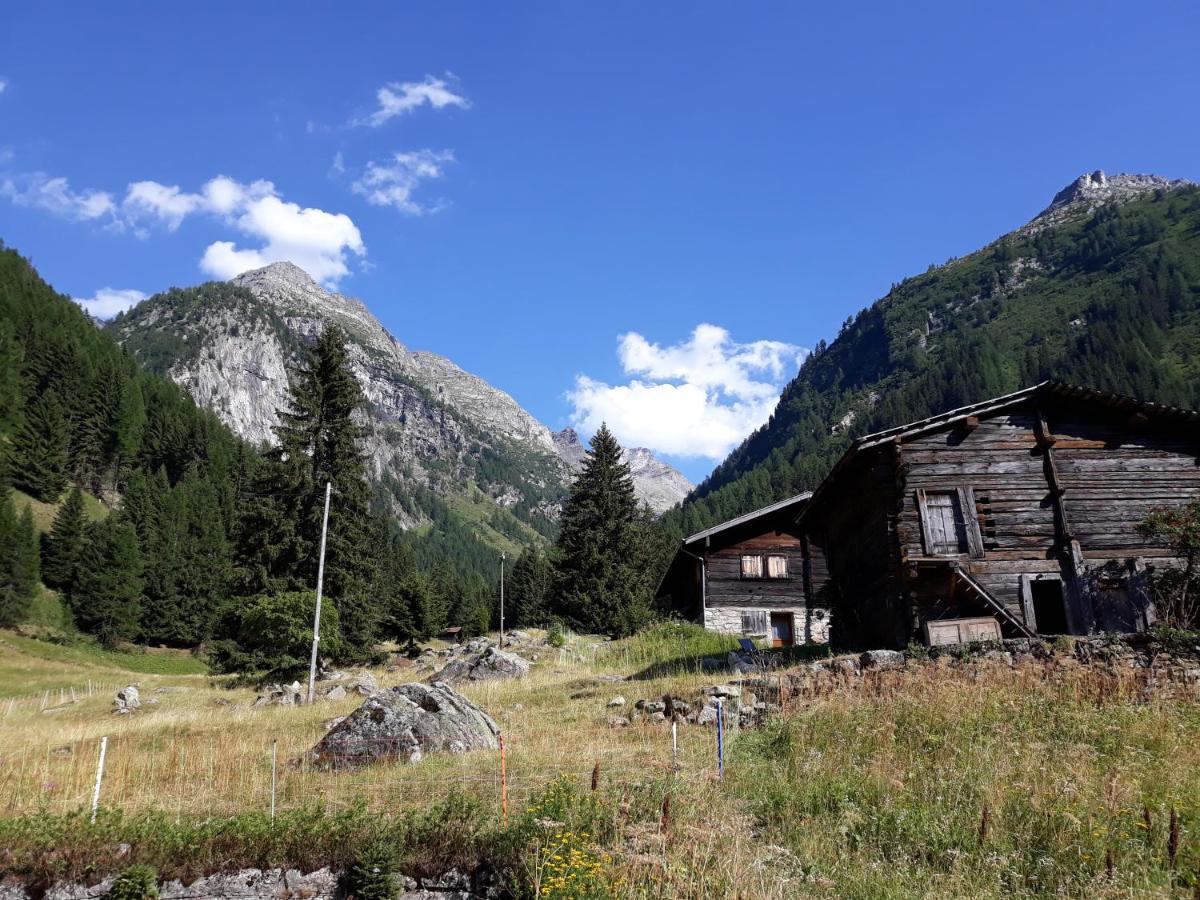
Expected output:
(55, 195)
(698, 398)
(397, 99)
(107, 302)
(3, 85)
(392, 183)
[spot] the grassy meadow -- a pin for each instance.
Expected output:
(943, 780)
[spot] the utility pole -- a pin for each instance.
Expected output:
(502, 558)
(312, 664)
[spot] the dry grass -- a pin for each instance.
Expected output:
(868, 787)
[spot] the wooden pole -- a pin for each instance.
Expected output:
(720, 740)
(502, 557)
(274, 752)
(99, 777)
(312, 664)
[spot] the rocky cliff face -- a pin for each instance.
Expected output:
(1094, 189)
(656, 484)
(433, 429)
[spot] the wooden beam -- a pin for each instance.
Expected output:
(970, 423)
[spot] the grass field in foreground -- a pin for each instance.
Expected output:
(944, 781)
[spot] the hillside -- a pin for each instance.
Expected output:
(1102, 289)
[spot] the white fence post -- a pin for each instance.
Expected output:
(99, 777)
(274, 751)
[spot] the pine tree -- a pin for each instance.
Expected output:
(529, 589)
(598, 585)
(319, 443)
(40, 449)
(401, 616)
(18, 561)
(203, 574)
(107, 601)
(64, 544)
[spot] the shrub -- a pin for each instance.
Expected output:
(1177, 592)
(556, 637)
(372, 876)
(272, 633)
(135, 883)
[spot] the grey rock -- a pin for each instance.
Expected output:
(882, 659)
(407, 722)
(617, 701)
(128, 699)
(488, 665)
(280, 695)
(618, 722)
(337, 692)
(365, 684)
(723, 690)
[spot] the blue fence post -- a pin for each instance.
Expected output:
(720, 740)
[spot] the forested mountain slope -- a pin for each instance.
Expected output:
(1102, 289)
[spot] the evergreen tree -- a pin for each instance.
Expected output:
(400, 616)
(18, 561)
(598, 585)
(40, 449)
(63, 546)
(529, 588)
(319, 443)
(107, 600)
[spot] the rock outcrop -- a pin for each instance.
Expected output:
(490, 664)
(1094, 189)
(407, 722)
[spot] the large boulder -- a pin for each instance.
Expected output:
(488, 665)
(406, 723)
(128, 699)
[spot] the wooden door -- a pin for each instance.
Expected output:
(781, 630)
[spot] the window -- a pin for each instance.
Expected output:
(948, 522)
(754, 622)
(777, 567)
(752, 567)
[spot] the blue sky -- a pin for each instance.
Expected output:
(631, 211)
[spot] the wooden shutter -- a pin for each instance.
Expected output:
(777, 567)
(943, 523)
(754, 622)
(966, 499)
(752, 567)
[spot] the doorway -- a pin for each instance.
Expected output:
(781, 630)
(1049, 610)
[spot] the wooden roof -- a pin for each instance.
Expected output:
(1057, 389)
(748, 517)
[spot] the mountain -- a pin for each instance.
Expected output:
(656, 484)
(1101, 288)
(444, 446)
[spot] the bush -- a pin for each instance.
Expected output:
(556, 637)
(135, 883)
(272, 634)
(372, 876)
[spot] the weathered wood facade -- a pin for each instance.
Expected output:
(1023, 508)
(755, 575)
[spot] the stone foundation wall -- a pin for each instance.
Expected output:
(728, 620)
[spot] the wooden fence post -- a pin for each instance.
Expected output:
(99, 777)
(503, 783)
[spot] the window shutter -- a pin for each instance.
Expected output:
(777, 567)
(752, 567)
(966, 499)
(944, 524)
(754, 622)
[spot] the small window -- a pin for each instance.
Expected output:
(945, 524)
(777, 567)
(754, 622)
(752, 567)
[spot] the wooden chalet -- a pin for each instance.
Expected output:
(1013, 517)
(751, 576)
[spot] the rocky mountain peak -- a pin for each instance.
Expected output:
(658, 485)
(1094, 188)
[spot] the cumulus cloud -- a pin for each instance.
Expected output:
(108, 302)
(400, 98)
(54, 194)
(392, 183)
(3, 85)
(697, 398)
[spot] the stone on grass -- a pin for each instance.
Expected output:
(128, 699)
(487, 665)
(337, 692)
(617, 701)
(618, 722)
(407, 722)
(280, 695)
(882, 659)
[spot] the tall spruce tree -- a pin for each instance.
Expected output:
(18, 561)
(319, 443)
(40, 449)
(529, 588)
(63, 546)
(598, 586)
(108, 597)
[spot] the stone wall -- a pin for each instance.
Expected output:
(728, 620)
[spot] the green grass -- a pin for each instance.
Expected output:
(43, 513)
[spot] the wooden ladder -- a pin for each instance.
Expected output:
(991, 601)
